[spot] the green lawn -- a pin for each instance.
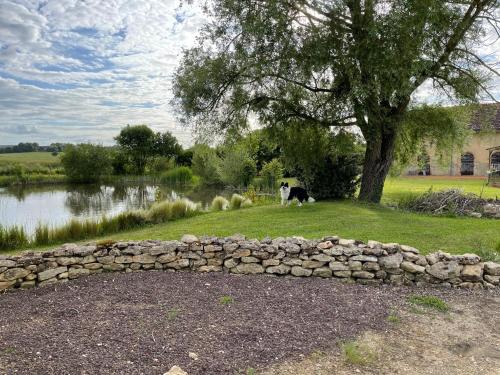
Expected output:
(395, 188)
(346, 219)
(43, 158)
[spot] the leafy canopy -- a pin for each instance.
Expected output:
(333, 63)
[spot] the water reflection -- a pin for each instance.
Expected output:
(57, 204)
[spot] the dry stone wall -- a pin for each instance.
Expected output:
(332, 257)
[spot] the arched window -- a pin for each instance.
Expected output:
(495, 161)
(467, 167)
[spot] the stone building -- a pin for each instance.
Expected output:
(480, 154)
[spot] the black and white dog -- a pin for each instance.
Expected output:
(288, 194)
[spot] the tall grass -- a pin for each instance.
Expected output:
(76, 230)
(219, 203)
(239, 201)
(15, 238)
(12, 238)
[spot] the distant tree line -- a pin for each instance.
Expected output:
(32, 147)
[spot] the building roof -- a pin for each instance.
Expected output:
(487, 117)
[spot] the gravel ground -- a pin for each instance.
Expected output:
(146, 322)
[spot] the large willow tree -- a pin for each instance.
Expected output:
(335, 63)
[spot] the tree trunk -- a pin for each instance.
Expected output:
(378, 159)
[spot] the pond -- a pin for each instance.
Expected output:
(55, 205)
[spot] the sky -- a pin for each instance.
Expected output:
(80, 70)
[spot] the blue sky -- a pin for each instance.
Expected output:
(78, 71)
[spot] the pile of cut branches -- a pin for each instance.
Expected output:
(446, 202)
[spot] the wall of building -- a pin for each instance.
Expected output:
(478, 146)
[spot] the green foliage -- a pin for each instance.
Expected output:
(205, 164)
(326, 164)
(219, 203)
(431, 302)
(179, 176)
(272, 173)
(237, 168)
(443, 129)
(166, 145)
(119, 162)
(226, 300)
(86, 162)
(12, 238)
(259, 144)
(185, 157)
(160, 164)
(138, 143)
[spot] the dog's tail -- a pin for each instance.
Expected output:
(311, 200)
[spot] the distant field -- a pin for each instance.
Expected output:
(30, 158)
(395, 188)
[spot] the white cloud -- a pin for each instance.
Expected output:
(80, 70)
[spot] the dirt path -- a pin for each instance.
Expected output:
(146, 322)
(465, 341)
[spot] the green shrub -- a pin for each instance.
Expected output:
(272, 173)
(326, 164)
(219, 203)
(335, 177)
(161, 164)
(86, 162)
(205, 164)
(237, 168)
(178, 176)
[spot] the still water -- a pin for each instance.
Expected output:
(55, 205)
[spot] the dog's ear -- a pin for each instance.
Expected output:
(286, 184)
(282, 184)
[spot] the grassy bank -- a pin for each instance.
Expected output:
(347, 219)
